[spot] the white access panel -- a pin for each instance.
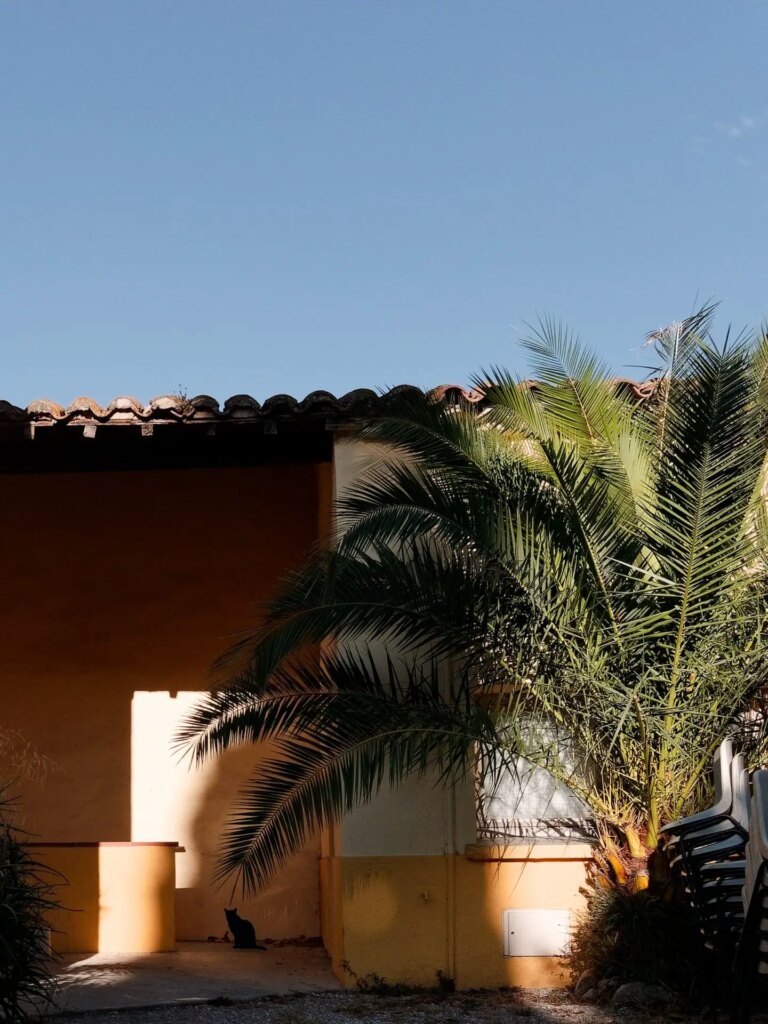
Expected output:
(536, 932)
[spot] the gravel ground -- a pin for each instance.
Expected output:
(357, 1008)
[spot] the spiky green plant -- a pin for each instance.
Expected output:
(27, 896)
(569, 556)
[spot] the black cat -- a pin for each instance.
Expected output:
(243, 932)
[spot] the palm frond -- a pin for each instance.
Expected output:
(341, 757)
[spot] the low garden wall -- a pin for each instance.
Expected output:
(115, 897)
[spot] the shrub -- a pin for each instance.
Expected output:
(648, 935)
(26, 894)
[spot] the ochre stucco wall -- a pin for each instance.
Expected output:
(119, 591)
(408, 918)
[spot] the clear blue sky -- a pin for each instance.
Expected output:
(284, 195)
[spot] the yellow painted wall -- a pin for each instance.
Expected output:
(394, 917)
(332, 910)
(406, 918)
(120, 590)
(120, 897)
(539, 876)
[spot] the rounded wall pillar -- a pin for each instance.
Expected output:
(115, 897)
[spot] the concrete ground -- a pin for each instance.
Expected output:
(197, 971)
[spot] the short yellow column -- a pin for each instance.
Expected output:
(116, 897)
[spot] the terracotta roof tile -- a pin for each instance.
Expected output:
(127, 410)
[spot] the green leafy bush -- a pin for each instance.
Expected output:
(649, 936)
(27, 890)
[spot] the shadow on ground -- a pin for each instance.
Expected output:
(197, 971)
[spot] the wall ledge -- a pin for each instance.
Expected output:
(527, 850)
(89, 845)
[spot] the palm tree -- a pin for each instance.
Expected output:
(571, 574)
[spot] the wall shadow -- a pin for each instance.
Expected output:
(75, 876)
(131, 583)
(289, 908)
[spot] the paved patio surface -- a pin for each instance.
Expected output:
(197, 971)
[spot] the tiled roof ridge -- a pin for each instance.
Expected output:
(201, 408)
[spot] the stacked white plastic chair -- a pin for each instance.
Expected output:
(752, 954)
(707, 852)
